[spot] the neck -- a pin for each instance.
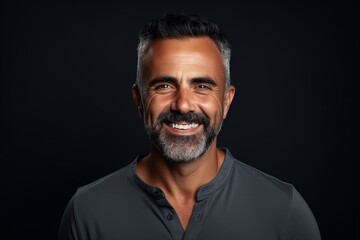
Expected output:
(180, 180)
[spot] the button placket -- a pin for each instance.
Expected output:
(170, 217)
(173, 223)
(195, 222)
(198, 217)
(158, 195)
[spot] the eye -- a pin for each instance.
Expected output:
(203, 87)
(163, 87)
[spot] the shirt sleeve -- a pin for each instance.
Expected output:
(301, 223)
(68, 227)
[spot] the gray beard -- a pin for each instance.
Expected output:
(182, 149)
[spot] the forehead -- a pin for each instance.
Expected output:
(199, 56)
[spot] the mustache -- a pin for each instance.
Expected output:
(190, 117)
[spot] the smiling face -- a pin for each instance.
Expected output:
(183, 100)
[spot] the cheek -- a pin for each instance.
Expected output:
(212, 106)
(153, 108)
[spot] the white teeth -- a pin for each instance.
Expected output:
(184, 126)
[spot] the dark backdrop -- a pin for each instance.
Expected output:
(67, 116)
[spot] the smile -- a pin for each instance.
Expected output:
(184, 126)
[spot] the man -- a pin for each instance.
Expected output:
(186, 187)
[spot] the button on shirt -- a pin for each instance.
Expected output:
(239, 203)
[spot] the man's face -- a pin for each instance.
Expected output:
(183, 100)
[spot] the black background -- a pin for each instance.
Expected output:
(67, 115)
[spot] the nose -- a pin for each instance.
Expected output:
(183, 102)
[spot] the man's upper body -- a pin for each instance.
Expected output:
(186, 187)
(239, 203)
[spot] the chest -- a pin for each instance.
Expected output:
(183, 211)
(204, 220)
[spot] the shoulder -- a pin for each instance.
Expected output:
(261, 181)
(259, 190)
(108, 188)
(111, 180)
(266, 192)
(100, 204)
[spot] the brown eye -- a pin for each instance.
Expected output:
(163, 87)
(203, 87)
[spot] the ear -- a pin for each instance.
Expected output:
(137, 98)
(229, 96)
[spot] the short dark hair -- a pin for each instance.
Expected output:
(182, 25)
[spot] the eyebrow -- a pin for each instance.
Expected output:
(165, 79)
(206, 80)
(168, 79)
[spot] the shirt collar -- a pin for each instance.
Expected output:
(203, 193)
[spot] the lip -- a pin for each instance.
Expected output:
(184, 132)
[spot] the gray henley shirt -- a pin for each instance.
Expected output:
(239, 203)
